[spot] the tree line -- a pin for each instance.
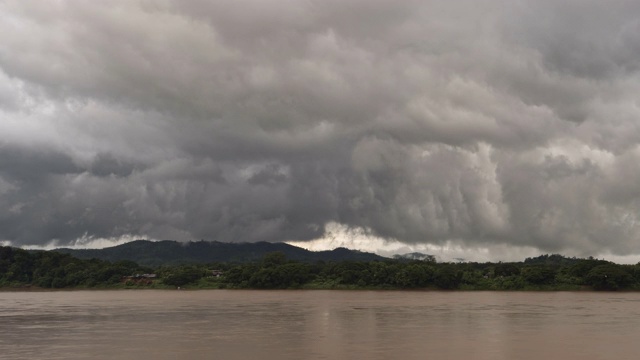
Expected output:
(48, 269)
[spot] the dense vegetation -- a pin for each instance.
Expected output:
(48, 269)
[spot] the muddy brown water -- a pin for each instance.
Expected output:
(226, 324)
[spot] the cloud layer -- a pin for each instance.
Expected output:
(481, 122)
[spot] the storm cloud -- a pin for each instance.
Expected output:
(481, 122)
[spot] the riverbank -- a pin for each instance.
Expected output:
(50, 270)
(311, 286)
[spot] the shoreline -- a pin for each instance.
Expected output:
(41, 289)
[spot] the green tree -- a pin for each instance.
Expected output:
(182, 276)
(414, 276)
(506, 269)
(447, 277)
(609, 277)
(275, 258)
(539, 275)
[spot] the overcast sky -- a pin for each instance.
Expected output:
(469, 125)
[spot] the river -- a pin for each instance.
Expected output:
(228, 324)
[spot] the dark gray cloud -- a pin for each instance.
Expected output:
(478, 122)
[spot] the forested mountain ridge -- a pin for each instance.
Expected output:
(168, 252)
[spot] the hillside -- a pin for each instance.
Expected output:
(167, 252)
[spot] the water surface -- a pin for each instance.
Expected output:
(220, 324)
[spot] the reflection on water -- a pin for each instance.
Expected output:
(220, 324)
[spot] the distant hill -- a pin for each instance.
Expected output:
(415, 256)
(167, 252)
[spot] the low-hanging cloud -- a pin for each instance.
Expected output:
(480, 122)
